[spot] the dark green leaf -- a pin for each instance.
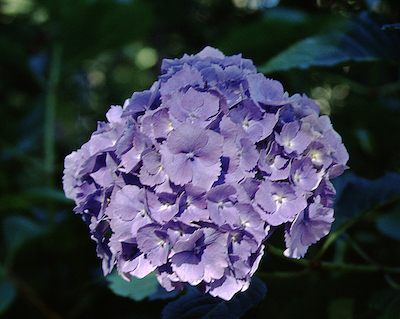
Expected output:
(341, 308)
(195, 305)
(387, 303)
(356, 194)
(8, 292)
(28, 198)
(98, 26)
(18, 230)
(277, 29)
(388, 224)
(391, 26)
(359, 39)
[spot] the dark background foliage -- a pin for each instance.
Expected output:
(64, 62)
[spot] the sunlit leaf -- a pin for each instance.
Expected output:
(138, 289)
(359, 39)
(278, 28)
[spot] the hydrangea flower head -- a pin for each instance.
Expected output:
(188, 178)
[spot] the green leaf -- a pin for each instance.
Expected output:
(265, 36)
(355, 194)
(359, 39)
(136, 289)
(195, 305)
(388, 224)
(8, 292)
(387, 303)
(341, 308)
(26, 199)
(18, 230)
(97, 26)
(393, 26)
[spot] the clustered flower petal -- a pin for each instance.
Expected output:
(190, 177)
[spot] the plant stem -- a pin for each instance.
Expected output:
(358, 268)
(346, 225)
(310, 264)
(282, 274)
(33, 298)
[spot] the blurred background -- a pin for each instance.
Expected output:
(63, 63)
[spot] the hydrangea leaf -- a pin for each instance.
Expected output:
(7, 294)
(195, 305)
(386, 303)
(389, 223)
(138, 289)
(25, 199)
(122, 22)
(359, 39)
(8, 291)
(392, 26)
(289, 25)
(356, 194)
(17, 231)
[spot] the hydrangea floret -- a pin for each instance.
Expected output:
(189, 178)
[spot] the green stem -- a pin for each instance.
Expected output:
(368, 259)
(358, 268)
(310, 264)
(359, 251)
(346, 225)
(282, 274)
(30, 294)
(50, 114)
(279, 252)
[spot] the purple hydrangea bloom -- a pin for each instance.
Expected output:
(310, 226)
(192, 154)
(186, 179)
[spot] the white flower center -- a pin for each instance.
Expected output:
(190, 155)
(315, 156)
(245, 123)
(279, 199)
